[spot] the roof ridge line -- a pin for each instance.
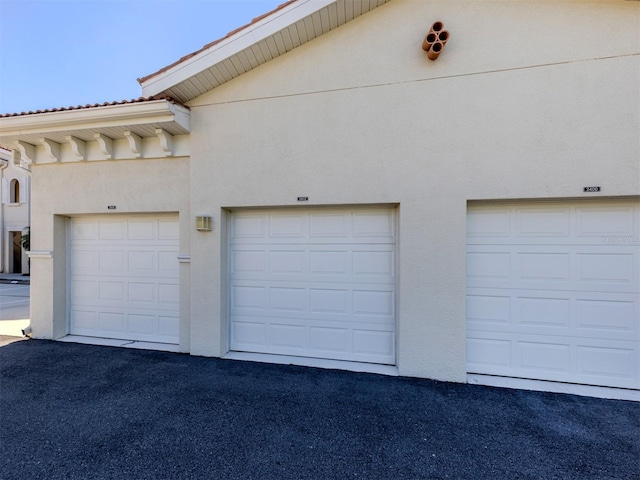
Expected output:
(215, 42)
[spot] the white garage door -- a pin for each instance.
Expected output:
(553, 291)
(124, 277)
(314, 283)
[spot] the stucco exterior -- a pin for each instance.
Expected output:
(522, 104)
(132, 186)
(529, 100)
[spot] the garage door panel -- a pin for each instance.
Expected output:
(322, 226)
(285, 279)
(332, 301)
(83, 290)
(553, 291)
(544, 312)
(325, 340)
(124, 278)
(288, 225)
(142, 230)
(542, 222)
(249, 260)
(553, 267)
(113, 291)
(373, 224)
(83, 229)
(125, 325)
(340, 302)
(316, 283)
(336, 340)
(563, 359)
(613, 317)
(374, 344)
(608, 267)
(119, 261)
(606, 221)
(112, 322)
(328, 225)
(541, 266)
(142, 262)
(293, 299)
(543, 359)
(116, 291)
(84, 320)
(600, 363)
(342, 263)
(139, 292)
(290, 261)
(551, 222)
(83, 261)
(248, 297)
(556, 313)
(327, 262)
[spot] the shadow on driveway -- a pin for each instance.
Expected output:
(81, 411)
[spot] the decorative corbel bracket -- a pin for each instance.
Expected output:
(15, 157)
(78, 147)
(105, 144)
(27, 153)
(166, 141)
(51, 148)
(135, 143)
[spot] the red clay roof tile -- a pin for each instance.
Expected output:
(164, 69)
(211, 44)
(95, 105)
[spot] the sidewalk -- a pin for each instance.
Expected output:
(15, 292)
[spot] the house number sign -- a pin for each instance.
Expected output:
(303, 199)
(591, 189)
(111, 207)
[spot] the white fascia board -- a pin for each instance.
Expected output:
(228, 47)
(156, 111)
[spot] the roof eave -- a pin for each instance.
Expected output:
(155, 111)
(95, 133)
(178, 79)
(232, 45)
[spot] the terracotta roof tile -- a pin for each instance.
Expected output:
(164, 69)
(209, 45)
(95, 105)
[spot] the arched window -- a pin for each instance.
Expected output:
(14, 190)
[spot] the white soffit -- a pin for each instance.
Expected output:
(270, 37)
(113, 121)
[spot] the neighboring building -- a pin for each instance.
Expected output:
(472, 219)
(15, 183)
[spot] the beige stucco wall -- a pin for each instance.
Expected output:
(528, 100)
(64, 190)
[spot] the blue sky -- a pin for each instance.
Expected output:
(58, 53)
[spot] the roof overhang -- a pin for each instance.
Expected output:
(286, 28)
(5, 156)
(53, 132)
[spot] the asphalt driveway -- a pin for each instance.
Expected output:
(78, 411)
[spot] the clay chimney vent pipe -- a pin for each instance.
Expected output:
(435, 40)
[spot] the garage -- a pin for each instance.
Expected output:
(317, 283)
(123, 277)
(553, 291)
